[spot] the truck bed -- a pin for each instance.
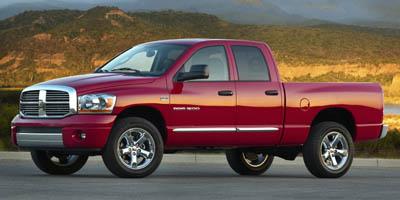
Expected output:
(303, 101)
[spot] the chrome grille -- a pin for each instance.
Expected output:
(30, 96)
(56, 96)
(48, 101)
(57, 109)
(30, 109)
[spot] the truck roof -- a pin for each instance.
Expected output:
(192, 41)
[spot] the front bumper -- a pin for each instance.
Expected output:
(384, 131)
(65, 133)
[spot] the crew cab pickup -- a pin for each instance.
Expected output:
(186, 94)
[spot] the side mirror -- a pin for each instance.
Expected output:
(196, 72)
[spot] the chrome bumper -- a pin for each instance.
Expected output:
(39, 137)
(384, 131)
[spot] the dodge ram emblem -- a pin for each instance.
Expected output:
(41, 107)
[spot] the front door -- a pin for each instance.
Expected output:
(259, 98)
(203, 110)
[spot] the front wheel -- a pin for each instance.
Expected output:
(247, 162)
(329, 150)
(134, 149)
(57, 163)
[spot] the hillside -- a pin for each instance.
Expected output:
(251, 11)
(40, 45)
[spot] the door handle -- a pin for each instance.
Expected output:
(271, 93)
(225, 93)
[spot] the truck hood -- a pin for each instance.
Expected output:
(87, 82)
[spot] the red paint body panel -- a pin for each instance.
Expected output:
(214, 111)
(95, 81)
(363, 100)
(14, 135)
(249, 107)
(96, 127)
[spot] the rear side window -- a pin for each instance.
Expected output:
(250, 63)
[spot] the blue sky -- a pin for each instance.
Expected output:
(332, 10)
(386, 10)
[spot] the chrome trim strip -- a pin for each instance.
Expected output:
(58, 134)
(53, 102)
(73, 99)
(225, 129)
(42, 101)
(384, 131)
(41, 141)
(257, 129)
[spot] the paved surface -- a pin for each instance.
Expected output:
(199, 177)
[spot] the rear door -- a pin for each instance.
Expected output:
(259, 113)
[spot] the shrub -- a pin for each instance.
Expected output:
(388, 147)
(7, 112)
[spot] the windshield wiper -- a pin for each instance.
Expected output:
(101, 70)
(126, 69)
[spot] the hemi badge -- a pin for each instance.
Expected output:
(186, 108)
(164, 98)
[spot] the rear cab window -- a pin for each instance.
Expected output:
(250, 63)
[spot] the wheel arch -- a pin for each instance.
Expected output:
(149, 113)
(338, 115)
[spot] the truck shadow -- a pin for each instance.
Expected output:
(176, 176)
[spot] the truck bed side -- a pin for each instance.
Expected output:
(306, 102)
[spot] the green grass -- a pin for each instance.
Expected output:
(388, 147)
(10, 89)
(9, 95)
(8, 109)
(384, 79)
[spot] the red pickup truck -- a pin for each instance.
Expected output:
(164, 96)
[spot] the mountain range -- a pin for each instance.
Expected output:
(40, 45)
(262, 12)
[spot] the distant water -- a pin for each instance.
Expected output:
(392, 109)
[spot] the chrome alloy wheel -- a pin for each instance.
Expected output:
(136, 148)
(334, 151)
(254, 159)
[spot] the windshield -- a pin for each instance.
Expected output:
(145, 59)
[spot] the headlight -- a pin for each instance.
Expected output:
(96, 103)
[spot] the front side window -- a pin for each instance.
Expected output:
(145, 59)
(215, 58)
(250, 63)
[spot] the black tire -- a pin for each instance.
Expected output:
(110, 154)
(312, 150)
(238, 163)
(44, 161)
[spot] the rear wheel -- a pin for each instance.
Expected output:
(249, 163)
(57, 163)
(328, 152)
(134, 149)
